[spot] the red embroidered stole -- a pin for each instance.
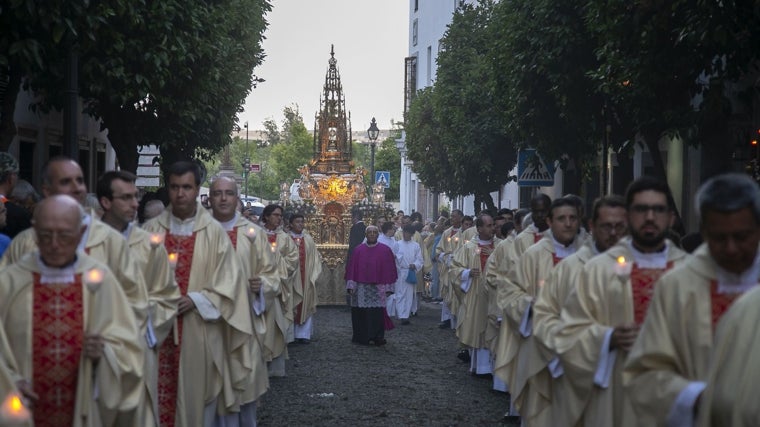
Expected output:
(642, 287)
(537, 237)
(233, 237)
(272, 238)
(555, 259)
(484, 256)
(57, 338)
(302, 264)
(169, 353)
(720, 302)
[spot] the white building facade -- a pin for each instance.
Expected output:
(428, 21)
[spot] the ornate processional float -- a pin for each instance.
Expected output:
(330, 188)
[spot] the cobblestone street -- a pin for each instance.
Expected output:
(415, 379)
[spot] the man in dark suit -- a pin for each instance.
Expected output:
(355, 237)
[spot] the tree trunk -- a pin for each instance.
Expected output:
(652, 140)
(8, 108)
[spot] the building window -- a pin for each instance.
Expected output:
(414, 33)
(429, 65)
(410, 82)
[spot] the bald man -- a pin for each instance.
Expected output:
(261, 275)
(63, 176)
(73, 338)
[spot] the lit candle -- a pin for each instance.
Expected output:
(448, 239)
(250, 232)
(13, 411)
(156, 239)
(456, 239)
(477, 250)
(622, 267)
(298, 241)
(93, 278)
(273, 247)
(173, 259)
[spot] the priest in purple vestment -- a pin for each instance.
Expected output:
(370, 275)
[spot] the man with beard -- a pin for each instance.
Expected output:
(370, 275)
(569, 392)
(602, 316)
(667, 367)
(117, 195)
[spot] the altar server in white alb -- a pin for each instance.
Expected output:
(409, 264)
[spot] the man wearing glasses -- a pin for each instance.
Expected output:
(602, 316)
(117, 195)
(668, 366)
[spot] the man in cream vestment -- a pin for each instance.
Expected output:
(261, 275)
(206, 364)
(468, 279)
(504, 259)
(534, 365)
(450, 242)
(667, 367)
(608, 224)
(730, 399)
(117, 195)
(63, 176)
(307, 273)
(72, 337)
(602, 315)
(286, 253)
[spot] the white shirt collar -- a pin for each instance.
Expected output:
(653, 260)
(731, 283)
(181, 227)
(63, 275)
(229, 225)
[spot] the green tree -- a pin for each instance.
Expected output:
(389, 159)
(169, 73)
(544, 52)
(295, 149)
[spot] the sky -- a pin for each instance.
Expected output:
(371, 42)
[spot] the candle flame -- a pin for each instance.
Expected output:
(156, 239)
(13, 409)
(621, 260)
(274, 246)
(95, 276)
(250, 232)
(173, 258)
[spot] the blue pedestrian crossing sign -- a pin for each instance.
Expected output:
(532, 170)
(383, 177)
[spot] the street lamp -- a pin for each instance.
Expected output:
(247, 168)
(372, 133)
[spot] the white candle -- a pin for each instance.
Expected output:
(13, 411)
(173, 259)
(250, 232)
(156, 239)
(622, 267)
(93, 278)
(273, 247)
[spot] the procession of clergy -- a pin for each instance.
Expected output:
(178, 322)
(614, 325)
